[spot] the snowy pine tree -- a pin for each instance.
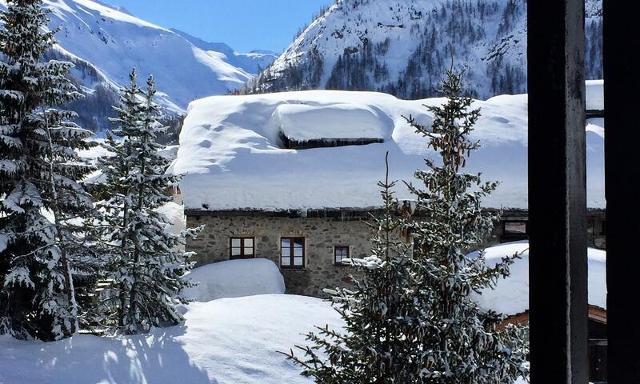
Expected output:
(146, 265)
(410, 318)
(382, 337)
(462, 343)
(41, 201)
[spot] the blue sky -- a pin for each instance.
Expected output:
(242, 24)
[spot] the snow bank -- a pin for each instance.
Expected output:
(226, 341)
(511, 295)
(235, 278)
(230, 155)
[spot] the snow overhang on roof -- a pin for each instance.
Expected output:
(303, 126)
(232, 157)
(595, 96)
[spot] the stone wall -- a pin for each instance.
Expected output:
(322, 230)
(321, 235)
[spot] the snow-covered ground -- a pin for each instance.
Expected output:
(232, 158)
(228, 340)
(225, 341)
(232, 340)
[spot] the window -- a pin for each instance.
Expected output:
(292, 252)
(341, 252)
(514, 230)
(598, 360)
(515, 227)
(242, 248)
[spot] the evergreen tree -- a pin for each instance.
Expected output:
(410, 318)
(379, 342)
(146, 265)
(41, 202)
(462, 343)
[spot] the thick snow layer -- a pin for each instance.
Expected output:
(232, 158)
(226, 341)
(595, 95)
(235, 278)
(341, 121)
(511, 295)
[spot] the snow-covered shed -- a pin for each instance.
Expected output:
(290, 176)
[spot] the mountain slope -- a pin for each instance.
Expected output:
(402, 47)
(105, 43)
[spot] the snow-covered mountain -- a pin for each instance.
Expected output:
(105, 43)
(402, 47)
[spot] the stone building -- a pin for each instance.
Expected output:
(292, 177)
(309, 246)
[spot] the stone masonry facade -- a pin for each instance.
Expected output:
(323, 230)
(322, 233)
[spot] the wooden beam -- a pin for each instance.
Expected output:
(622, 137)
(557, 192)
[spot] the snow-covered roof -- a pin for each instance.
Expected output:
(232, 158)
(595, 95)
(511, 295)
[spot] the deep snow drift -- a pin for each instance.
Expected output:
(235, 278)
(511, 295)
(226, 341)
(232, 155)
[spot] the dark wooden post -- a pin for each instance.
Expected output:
(622, 138)
(557, 192)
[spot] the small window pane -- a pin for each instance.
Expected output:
(248, 251)
(286, 261)
(286, 243)
(342, 252)
(297, 252)
(248, 242)
(298, 261)
(235, 242)
(519, 227)
(235, 252)
(299, 243)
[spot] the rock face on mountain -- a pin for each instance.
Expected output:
(402, 47)
(105, 43)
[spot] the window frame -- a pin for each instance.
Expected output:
(335, 254)
(242, 248)
(292, 248)
(506, 223)
(514, 235)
